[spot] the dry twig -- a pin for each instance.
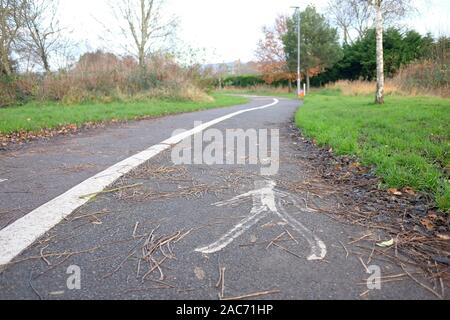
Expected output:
(252, 295)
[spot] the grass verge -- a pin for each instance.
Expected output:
(407, 139)
(35, 116)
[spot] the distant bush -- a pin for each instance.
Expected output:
(7, 91)
(243, 81)
(259, 89)
(249, 81)
(422, 78)
(425, 78)
(361, 88)
(105, 77)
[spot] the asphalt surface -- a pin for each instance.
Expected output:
(105, 238)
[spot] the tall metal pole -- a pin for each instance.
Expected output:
(300, 91)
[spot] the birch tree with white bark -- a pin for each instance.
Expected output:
(385, 9)
(358, 16)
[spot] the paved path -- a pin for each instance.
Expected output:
(169, 231)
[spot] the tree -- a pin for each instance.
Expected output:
(380, 53)
(271, 54)
(385, 9)
(348, 13)
(320, 47)
(11, 22)
(355, 17)
(143, 22)
(350, 16)
(43, 35)
(359, 58)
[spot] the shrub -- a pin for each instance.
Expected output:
(362, 88)
(243, 81)
(104, 77)
(425, 78)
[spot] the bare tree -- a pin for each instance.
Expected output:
(363, 16)
(11, 20)
(360, 15)
(394, 10)
(220, 73)
(351, 16)
(43, 35)
(341, 15)
(356, 17)
(143, 22)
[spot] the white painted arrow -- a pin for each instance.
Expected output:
(265, 202)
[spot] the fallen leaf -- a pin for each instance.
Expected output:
(386, 244)
(427, 224)
(355, 165)
(199, 273)
(394, 192)
(253, 238)
(432, 215)
(409, 191)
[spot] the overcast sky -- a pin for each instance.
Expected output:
(227, 29)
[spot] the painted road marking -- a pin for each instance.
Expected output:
(265, 201)
(3, 180)
(24, 232)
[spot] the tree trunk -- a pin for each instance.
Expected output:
(141, 58)
(46, 66)
(346, 35)
(289, 85)
(144, 35)
(380, 55)
(5, 66)
(45, 62)
(308, 82)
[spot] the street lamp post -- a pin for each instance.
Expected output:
(300, 91)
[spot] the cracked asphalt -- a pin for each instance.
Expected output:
(109, 237)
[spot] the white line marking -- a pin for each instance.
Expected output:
(318, 247)
(3, 180)
(264, 201)
(24, 232)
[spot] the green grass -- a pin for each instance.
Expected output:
(35, 116)
(407, 139)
